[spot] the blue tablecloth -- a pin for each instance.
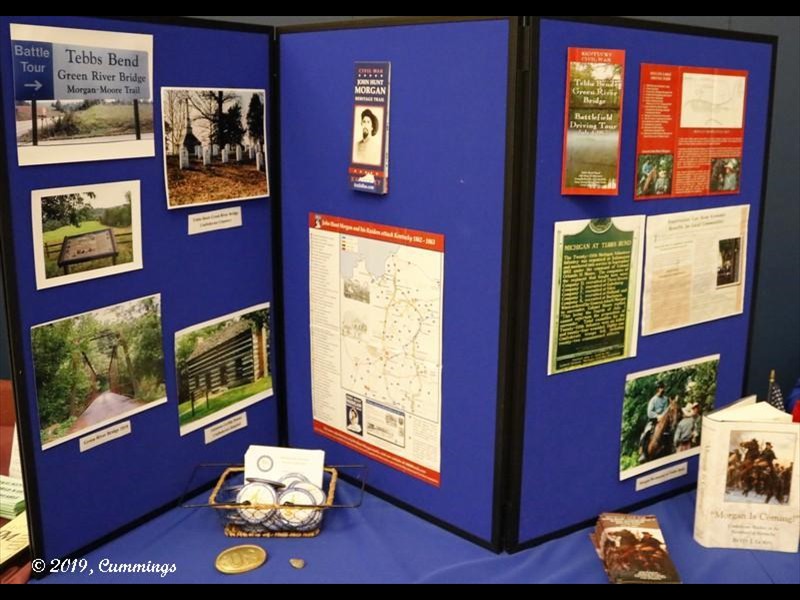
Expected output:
(379, 543)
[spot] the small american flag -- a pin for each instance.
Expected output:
(774, 394)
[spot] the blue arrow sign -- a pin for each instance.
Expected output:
(33, 70)
(47, 71)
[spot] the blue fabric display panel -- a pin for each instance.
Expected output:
(571, 445)
(447, 153)
(511, 455)
(76, 498)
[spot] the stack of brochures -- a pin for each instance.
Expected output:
(632, 549)
(12, 497)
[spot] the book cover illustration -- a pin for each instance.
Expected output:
(369, 164)
(592, 122)
(747, 488)
(633, 549)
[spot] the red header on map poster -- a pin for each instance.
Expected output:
(691, 131)
(592, 122)
(369, 165)
(375, 231)
(390, 459)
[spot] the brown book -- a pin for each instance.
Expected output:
(633, 549)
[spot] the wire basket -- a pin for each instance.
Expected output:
(291, 513)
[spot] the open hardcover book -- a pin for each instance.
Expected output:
(747, 488)
(633, 549)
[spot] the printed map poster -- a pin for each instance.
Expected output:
(375, 295)
(696, 267)
(81, 95)
(592, 122)
(369, 165)
(597, 276)
(691, 131)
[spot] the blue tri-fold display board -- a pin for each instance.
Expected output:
(451, 99)
(567, 441)
(448, 401)
(77, 498)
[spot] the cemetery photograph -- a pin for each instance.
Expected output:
(214, 145)
(85, 232)
(223, 366)
(97, 367)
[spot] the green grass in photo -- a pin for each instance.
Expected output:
(52, 240)
(217, 403)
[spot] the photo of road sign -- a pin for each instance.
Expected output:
(81, 94)
(45, 71)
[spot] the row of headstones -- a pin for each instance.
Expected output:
(206, 153)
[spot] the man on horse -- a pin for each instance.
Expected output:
(768, 455)
(656, 407)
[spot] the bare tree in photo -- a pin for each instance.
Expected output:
(210, 104)
(175, 116)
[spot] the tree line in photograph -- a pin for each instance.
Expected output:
(79, 359)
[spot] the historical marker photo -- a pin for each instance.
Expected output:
(597, 277)
(85, 232)
(81, 95)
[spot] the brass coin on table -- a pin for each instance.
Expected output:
(240, 559)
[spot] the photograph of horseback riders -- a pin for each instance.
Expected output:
(97, 367)
(86, 231)
(760, 467)
(662, 414)
(654, 175)
(223, 366)
(214, 145)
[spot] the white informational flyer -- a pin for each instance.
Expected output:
(375, 296)
(695, 267)
(276, 464)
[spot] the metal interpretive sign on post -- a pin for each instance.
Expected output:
(87, 246)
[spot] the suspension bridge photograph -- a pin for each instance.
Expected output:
(98, 367)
